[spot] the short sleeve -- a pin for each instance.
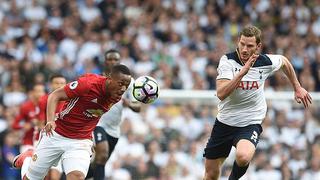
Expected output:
(77, 88)
(225, 69)
(276, 62)
(128, 94)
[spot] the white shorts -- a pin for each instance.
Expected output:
(75, 155)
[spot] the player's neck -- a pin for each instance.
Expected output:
(34, 100)
(107, 87)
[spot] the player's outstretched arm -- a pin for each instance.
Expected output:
(134, 106)
(53, 99)
(225, 86)
(301, 95)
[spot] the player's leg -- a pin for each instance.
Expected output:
(47, 153)
(101, 157)
(217, 149)
(246, 142)
(212, 168)
(76, 158)
(55, 172)
(23, 161)
(105, 145)
(101, 153)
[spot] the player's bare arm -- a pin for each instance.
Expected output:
(301, 95)
(53, 99)
(225, 86)
(134, 106)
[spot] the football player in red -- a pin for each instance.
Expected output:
(69, 136)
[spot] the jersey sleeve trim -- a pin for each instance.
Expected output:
(223, 78)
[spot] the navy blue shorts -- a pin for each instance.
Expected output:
(101, 135)
(223, 137)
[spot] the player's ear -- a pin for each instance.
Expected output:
(259, 47)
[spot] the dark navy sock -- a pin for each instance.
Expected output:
(237, 171)
(99, 172)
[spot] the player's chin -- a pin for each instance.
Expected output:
(245, 57)
(116, 99)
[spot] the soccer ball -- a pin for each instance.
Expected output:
(145, 89)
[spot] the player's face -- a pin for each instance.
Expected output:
(111, 59)
(57, 83)
(118, 85)
(38, 91)
(247, 46)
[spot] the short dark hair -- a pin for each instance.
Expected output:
(120, 68)
(111, 51)
(35, 85)
(251, 31)
(56, 75)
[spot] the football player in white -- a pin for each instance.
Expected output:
(240, 84)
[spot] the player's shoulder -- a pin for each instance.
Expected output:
(232, 56)
(91, 75)
(44, 98)
(27, 104)
(263, 60)
(91, 78)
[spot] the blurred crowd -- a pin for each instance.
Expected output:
(178, 42)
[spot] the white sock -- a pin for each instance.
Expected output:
(25, 166)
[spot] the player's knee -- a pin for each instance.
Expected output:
(55, 174)
(243, 158)
(75, 175)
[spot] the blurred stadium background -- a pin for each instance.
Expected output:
(178, 42)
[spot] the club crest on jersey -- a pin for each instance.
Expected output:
(237, 69)
(248, 85)
(260, 72)
(73, 85)
(34, 157)
(93, 113)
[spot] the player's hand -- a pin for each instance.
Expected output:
(302, 95)
(252, 59)
(125, 102)
(50, 126)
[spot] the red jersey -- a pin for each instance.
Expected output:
(80, 115)
(28, 112)
(42, 116)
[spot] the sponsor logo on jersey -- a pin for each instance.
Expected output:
(248, 85)
(93, 113)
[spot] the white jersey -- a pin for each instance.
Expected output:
(246, 104)
(112, 120)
